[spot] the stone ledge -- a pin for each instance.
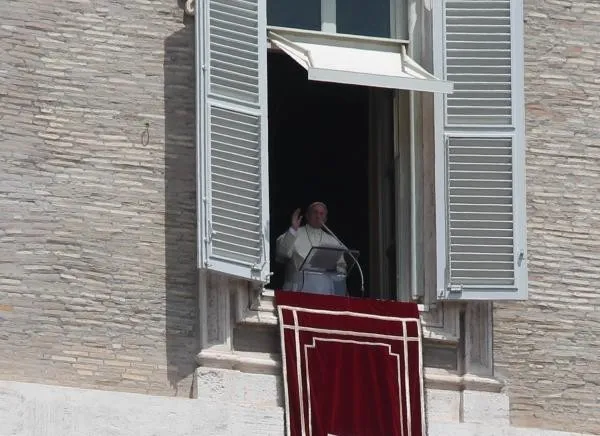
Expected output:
(255, 363)
(28, 409)
(268, 294)
(260, 317)
(269, 363)
(446, 380)
(431, 335)
(468, 429)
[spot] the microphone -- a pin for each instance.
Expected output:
(362, 277)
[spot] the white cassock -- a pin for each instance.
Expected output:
(293, 247)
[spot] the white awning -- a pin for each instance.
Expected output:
(357, 60)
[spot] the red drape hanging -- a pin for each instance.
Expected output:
(352, 367)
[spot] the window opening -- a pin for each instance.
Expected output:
(320, 136)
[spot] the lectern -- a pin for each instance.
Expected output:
(319, 272)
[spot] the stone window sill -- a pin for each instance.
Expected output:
(448, 380)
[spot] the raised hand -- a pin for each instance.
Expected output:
(296, 219)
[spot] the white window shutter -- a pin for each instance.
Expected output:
(480, 152)
(231, 100)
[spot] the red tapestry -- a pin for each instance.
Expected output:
(351, 367)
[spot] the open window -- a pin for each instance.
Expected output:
(332, 102)
(327, 142)
(358, 94)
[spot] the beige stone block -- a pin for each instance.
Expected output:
(488, 408)
(442, 405)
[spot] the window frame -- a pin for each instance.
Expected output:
(398, 26)
(317, 52)
(413, 260)
(398, 21)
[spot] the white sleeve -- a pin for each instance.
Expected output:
(285, 244)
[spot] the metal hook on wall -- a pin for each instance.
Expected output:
(146, 135)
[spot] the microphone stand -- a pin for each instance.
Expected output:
(362, 277)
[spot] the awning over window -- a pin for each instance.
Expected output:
(357, 60)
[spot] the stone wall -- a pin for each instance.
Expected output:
(98, 286)
(548, 347)
(34, 409)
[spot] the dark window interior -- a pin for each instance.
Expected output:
(357, 17)
(305, 14)
(318, 151)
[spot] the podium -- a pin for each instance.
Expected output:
(319, 274)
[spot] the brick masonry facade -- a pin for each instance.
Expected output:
(548, 348)
(98, 286)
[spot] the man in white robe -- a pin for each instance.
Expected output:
(295, 244)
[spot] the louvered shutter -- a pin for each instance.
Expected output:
(232, 137)
(480, 170)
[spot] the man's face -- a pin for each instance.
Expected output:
(317, 216)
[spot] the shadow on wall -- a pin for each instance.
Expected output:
(180, 209)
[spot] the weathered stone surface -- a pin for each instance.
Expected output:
(547, 348)
(485, 408)
(97, 268)
(35, 409)
(235, 387)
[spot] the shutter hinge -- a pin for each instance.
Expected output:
(208, 237)
(258, 266)
(521, 257)
(211, 232)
